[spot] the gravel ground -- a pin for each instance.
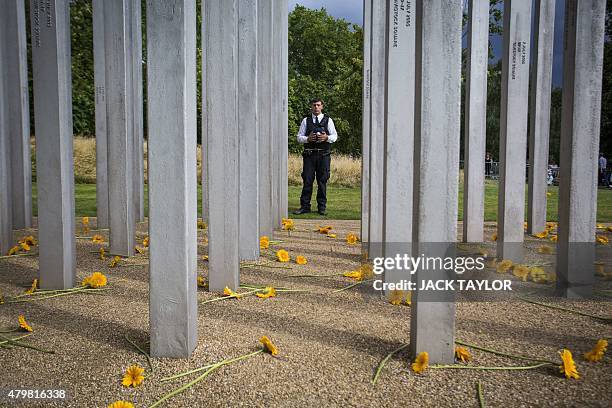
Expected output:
(330, 343)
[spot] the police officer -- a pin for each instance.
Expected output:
(317, 133)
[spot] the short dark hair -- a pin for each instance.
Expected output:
(314, 100)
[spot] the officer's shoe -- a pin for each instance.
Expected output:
(301, 211)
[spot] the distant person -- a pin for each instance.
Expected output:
(603, 165)
(488, 164)
(317, 133)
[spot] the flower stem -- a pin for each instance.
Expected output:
(142, 352)
(232, 296)
(200, 378)
(14, 342)
(16, 338)
(223, 362)
(605, 319)
(9, 331)
(384, 361)
(501, 353)
(466, 367)
(315, 276)
(352, 286)
(81, 289)
(481, 401)
(17, 255)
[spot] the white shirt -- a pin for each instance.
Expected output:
(302, 137)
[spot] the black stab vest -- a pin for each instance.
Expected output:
(311, 126)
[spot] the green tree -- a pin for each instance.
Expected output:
(325, 61)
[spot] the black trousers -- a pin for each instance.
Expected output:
(316, 166)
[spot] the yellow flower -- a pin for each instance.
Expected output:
(201, 282)
(115, 261)
(598, 351)
(268, 345)
(545, 249)
(121, 404)
(102, 252)
(357, 275)
(396, 297)
(542, 234)
(568, 367)
(521, 271)
(409, 298)
(553, 238)
(525, 225)
(270, 292)
(23, 324)
(538, 275)
(33, 287)
(421, 362)
(602, 239)
(494, 236)
(133, 376)
(228, 292)
(504, 266)
(352, 238)
(282, 255)
(13, 250)
(205, 258)
(366, 271)
(288, 224)
(139, 250)
(85, 220)
(95, 280)
(145, 242)
(28, 240)
(25, 246)
(551, 225)
(97, 239)
(264, 242)
(1, 299)
(461, 353)
(325, 229)
(330, 235)
(600, 226)
(548, 194)
(301, 260)
(201, 224)
(609, 229)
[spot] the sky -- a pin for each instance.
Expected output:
(352, 10)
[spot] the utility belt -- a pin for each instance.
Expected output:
(316, 151)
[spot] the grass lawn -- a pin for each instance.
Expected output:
(344, 203)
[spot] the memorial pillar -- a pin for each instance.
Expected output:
(248, 129)
(582, 82)
(365, 126)
(265, 22)
(171, 91)
(220, 41)
(51, 72)
(137, 103)
(399, 134)
(12, 19)
(100, 105)
(6, 218)
(539, 118)
(475, 120)
(513, 130)
(119, 127)
(377, 127)
(436, 169)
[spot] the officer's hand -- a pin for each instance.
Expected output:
(312, 137)
(323, 137)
